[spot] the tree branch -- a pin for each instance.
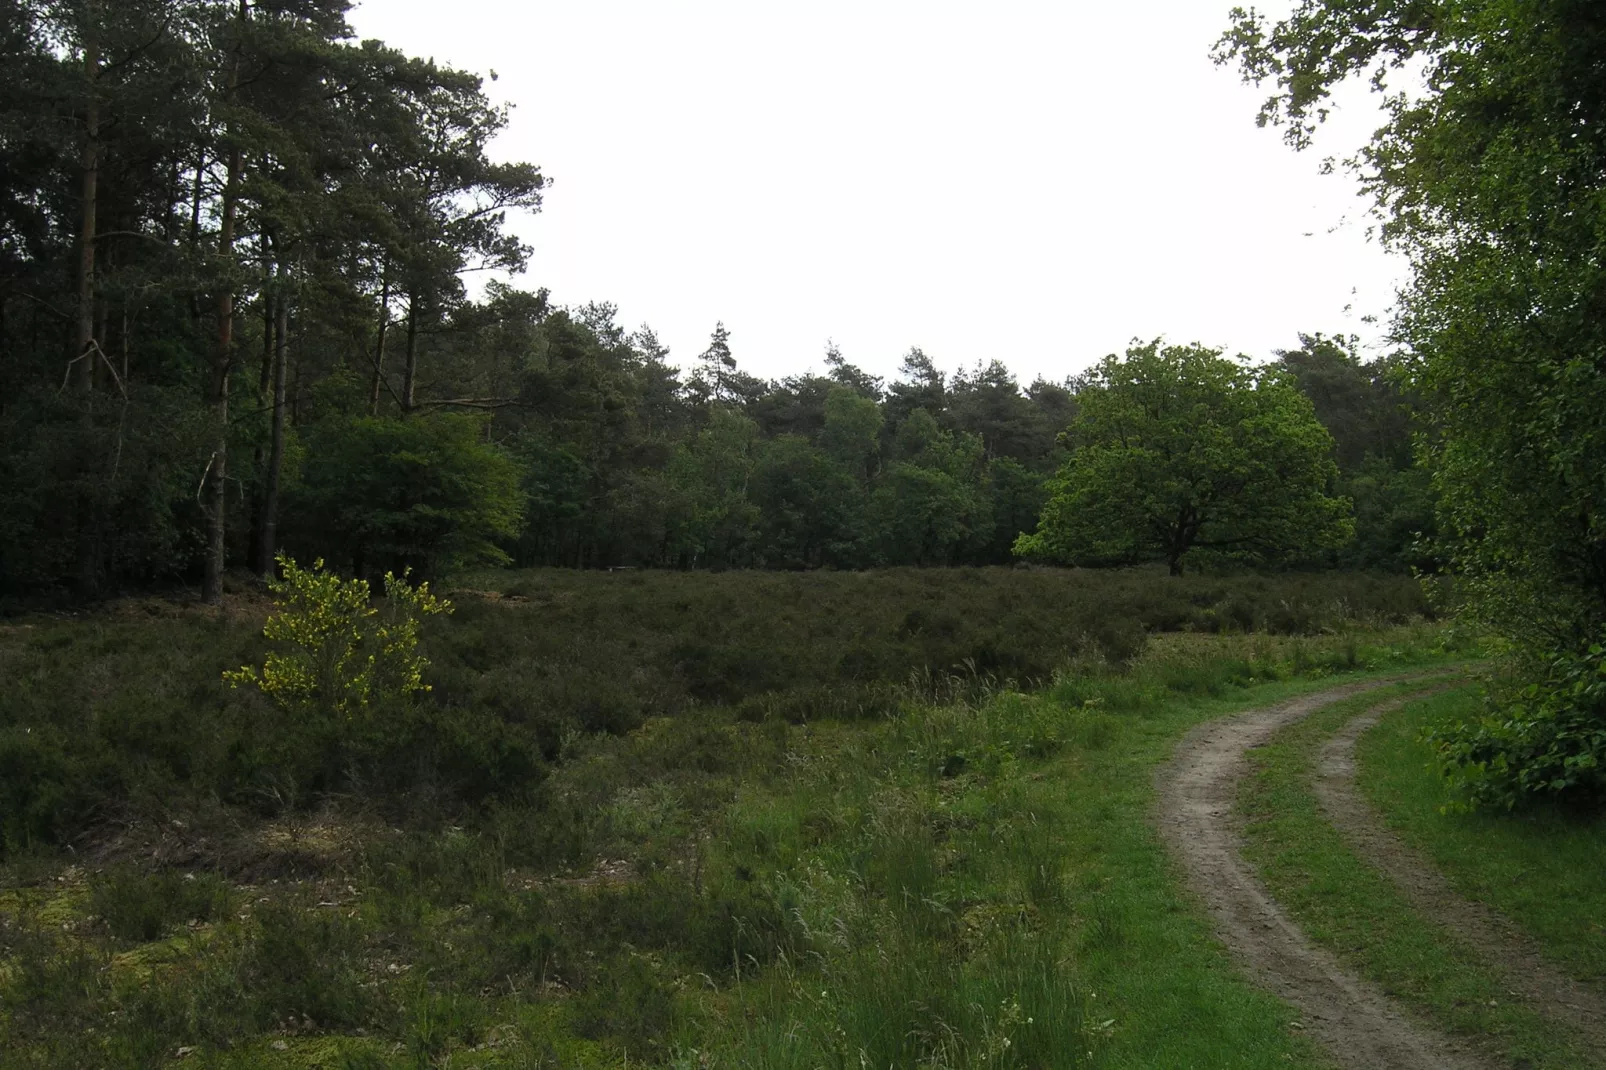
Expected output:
(472, 403)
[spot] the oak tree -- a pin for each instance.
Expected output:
(1177, 449)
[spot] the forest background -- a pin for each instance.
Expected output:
(233, 318)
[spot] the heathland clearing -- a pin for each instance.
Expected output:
(733, 819)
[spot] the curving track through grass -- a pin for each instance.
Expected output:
(1322, 904)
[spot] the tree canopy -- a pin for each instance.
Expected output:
(1491, 180)
(1177, 449)
(1491, 177)
(236, 314)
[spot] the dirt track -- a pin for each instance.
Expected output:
(1360, 1027)
(1499, 942)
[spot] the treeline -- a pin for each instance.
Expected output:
(233, 320)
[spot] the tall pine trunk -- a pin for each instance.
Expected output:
(379, 343)
(270, 495)
(83, 351)
(217, 389)
(264, 396)
(89, 176)
(217, 400)
(196, 196)
(410, 372)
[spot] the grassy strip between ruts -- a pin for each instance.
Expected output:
(1346, 905)
(1545, 868)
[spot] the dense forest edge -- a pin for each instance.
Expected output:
(234, 320)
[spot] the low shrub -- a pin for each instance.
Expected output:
(336, 652)
(632, 1003)
(49, 785)
(1119, 639)
(50, 977)
(441, 758)
(1545, 740)
(126, 716)
(138, 907)
(435, 1022)
(603, 652)
(305, 961)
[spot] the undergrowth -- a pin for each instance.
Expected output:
(965, 879)
(1536, 742)
(1539, 866)
(123, 717)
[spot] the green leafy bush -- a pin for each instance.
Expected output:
(1545, 741)
(426, 493)
(339, 654)
(340, 660)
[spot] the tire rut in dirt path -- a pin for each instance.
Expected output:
(1360, 1027)
(1528, 974)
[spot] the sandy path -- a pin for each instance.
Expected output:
(1522, 968)
(1360, 1027)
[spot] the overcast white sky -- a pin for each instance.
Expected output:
(1036, 182)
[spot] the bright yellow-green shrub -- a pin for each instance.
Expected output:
(339, 653)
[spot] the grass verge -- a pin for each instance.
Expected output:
(983, 883)
(1346, 905)
(1544, 867)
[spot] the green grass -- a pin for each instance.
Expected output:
(964, 875)
(1545, 868)
(1348, 906)
(968, 872)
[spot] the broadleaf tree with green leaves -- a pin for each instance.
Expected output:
(1490, 175)
(425, 493)
(1178, 449)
